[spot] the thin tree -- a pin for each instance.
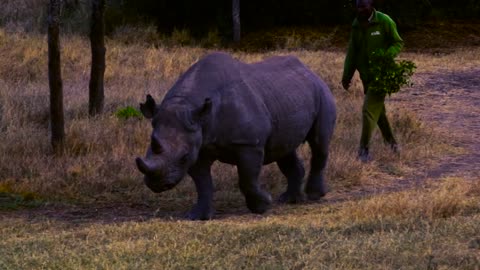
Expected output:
(97, 71)
(55, 76)
(236, 20)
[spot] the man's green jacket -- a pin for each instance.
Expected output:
(381, 33)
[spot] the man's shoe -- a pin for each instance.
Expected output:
(364, 155)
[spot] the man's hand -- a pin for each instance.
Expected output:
(346, 84)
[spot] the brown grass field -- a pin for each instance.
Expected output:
(88, 208)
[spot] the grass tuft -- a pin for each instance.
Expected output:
(128, 112)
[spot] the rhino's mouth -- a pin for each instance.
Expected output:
(157, 186)
(159, 180)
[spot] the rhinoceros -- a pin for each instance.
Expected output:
(242, 114)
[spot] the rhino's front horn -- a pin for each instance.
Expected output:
(142, 166)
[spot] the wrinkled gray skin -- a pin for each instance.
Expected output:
(247, 115)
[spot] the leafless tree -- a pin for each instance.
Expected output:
(236, 20)
(97, 71)
(55, 76)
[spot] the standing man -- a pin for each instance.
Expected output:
(371, 30)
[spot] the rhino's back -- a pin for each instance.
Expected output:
(274, 102)
(205, 78)
(294, 97)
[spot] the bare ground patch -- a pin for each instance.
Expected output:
(450, 100)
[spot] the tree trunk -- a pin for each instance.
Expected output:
(97, 71)
(55, 76)
(236, 20)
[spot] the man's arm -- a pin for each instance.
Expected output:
(349, 66)
(396, 40)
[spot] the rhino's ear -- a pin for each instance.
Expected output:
(148, 108)
(204, 111)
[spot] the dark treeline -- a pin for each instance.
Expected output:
(201, 16)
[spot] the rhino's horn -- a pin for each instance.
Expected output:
(156, 145)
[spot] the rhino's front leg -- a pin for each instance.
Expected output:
(203, 209)
(250, 162)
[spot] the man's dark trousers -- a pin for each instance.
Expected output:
(373, 114)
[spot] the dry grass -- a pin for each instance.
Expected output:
(98, 160)
(433, 227)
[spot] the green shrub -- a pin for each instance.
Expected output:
(181, 37)
(10, 200)
(212, 40)
(128, 112)
(387, 75)
(137, 34)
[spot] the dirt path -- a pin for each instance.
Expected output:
(449, 100)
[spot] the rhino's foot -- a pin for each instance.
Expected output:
(315, 193)
(200, 213)
(291, 197)
(259, 203)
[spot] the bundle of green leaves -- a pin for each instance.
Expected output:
(387, 75)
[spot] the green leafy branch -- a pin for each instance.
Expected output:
(387, 75)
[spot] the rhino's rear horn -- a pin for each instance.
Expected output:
(156, 146)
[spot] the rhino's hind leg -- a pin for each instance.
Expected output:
(250, 162)
(292, 167)
(319, 141)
